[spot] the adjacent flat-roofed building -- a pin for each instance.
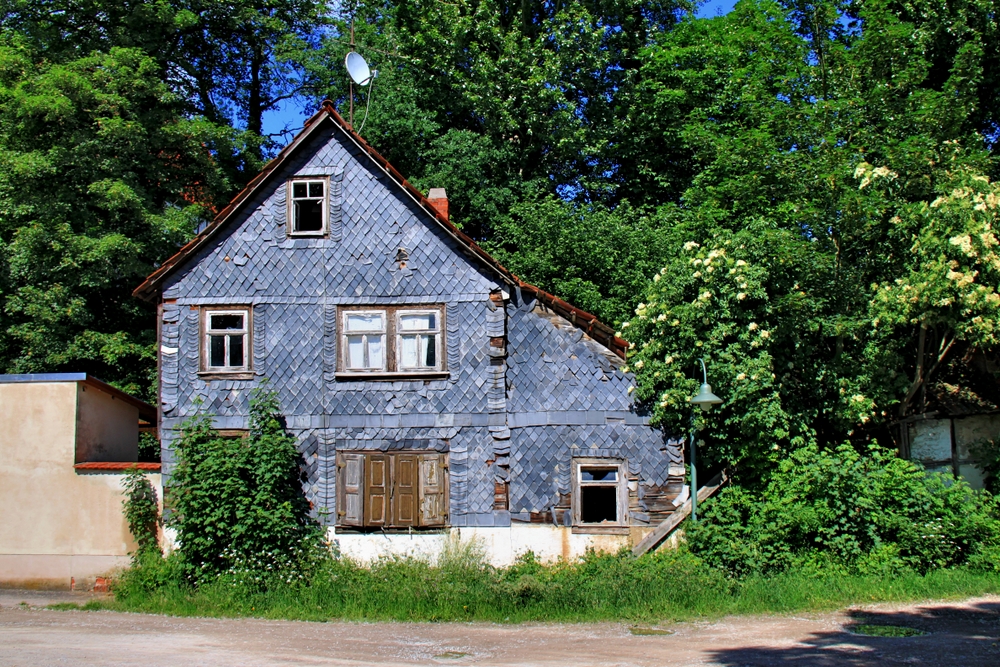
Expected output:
(65, 440)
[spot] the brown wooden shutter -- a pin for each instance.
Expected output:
(404, 490)
(376, 489)
(433, 489)
(350, 488)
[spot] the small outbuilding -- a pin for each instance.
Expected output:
(66, 440)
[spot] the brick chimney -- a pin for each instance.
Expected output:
(439, 200)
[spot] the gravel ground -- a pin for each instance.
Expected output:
(958, 633)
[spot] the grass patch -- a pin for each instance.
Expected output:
(661, 587)
(649, 632)
(885, 631)
(64, 606)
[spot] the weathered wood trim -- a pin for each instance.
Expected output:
(661, 532)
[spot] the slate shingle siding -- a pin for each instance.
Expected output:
(551, 398)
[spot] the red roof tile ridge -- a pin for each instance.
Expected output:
(116, 466)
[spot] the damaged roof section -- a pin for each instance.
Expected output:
(588, 323)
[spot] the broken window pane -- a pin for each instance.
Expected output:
(217, 351)
(598, 504)
(299, 190)
(225, 322)
(599, 475)
(430, 353)
(316, 190)
(236, 351)
(309, 215)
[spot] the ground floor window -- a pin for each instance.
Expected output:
(600, 492)
(392, 489)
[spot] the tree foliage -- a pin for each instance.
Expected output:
(101, 176)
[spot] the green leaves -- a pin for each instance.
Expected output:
(840, 510)
(238, 500)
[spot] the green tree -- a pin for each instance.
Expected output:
(101, 176)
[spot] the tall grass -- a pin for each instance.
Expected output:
(460, 586)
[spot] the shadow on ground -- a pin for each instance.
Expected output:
(967, 635)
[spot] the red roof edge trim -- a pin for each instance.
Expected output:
(117, 466)
(581, 319)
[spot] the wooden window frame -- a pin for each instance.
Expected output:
(393, 340)
(228, 372)
(619, 526)
(345, 333)
(392, 490)
(290, 206)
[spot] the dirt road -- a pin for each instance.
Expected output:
(966, 634)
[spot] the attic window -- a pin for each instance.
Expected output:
(307, 207)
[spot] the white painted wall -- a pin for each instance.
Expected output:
(501, 545)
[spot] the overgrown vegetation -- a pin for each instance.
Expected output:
(839, 511)
(142, 512)
(665, 585)
(237, 502)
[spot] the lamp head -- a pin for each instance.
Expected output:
(705, 399)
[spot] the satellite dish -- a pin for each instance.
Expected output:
(358, 68)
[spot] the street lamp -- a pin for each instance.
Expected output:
(704, 400)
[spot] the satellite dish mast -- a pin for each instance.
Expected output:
(361, 74)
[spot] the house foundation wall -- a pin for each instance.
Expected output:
(501, 546)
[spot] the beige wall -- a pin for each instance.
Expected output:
(56, 523)
(107, 428)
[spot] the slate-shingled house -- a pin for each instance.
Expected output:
(429, 388)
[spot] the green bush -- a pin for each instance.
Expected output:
(237, 503)
(840, 509)
(142, 512)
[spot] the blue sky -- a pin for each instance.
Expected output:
(290, 115)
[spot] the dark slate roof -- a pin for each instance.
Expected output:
(583, 320)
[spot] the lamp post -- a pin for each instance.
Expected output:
(705, 399)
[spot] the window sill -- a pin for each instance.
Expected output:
(361, 530)
(596, 529)
(307, 235)
(393, 377)
(225, 375)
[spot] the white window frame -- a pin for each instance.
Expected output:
(208, 332)
(345, 334)
(620, 485)
(325, 202)
(436, 331)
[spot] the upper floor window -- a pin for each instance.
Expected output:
(394, 340)
(419, 334)
(307, 206)
(364, 333)
(226, 345)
